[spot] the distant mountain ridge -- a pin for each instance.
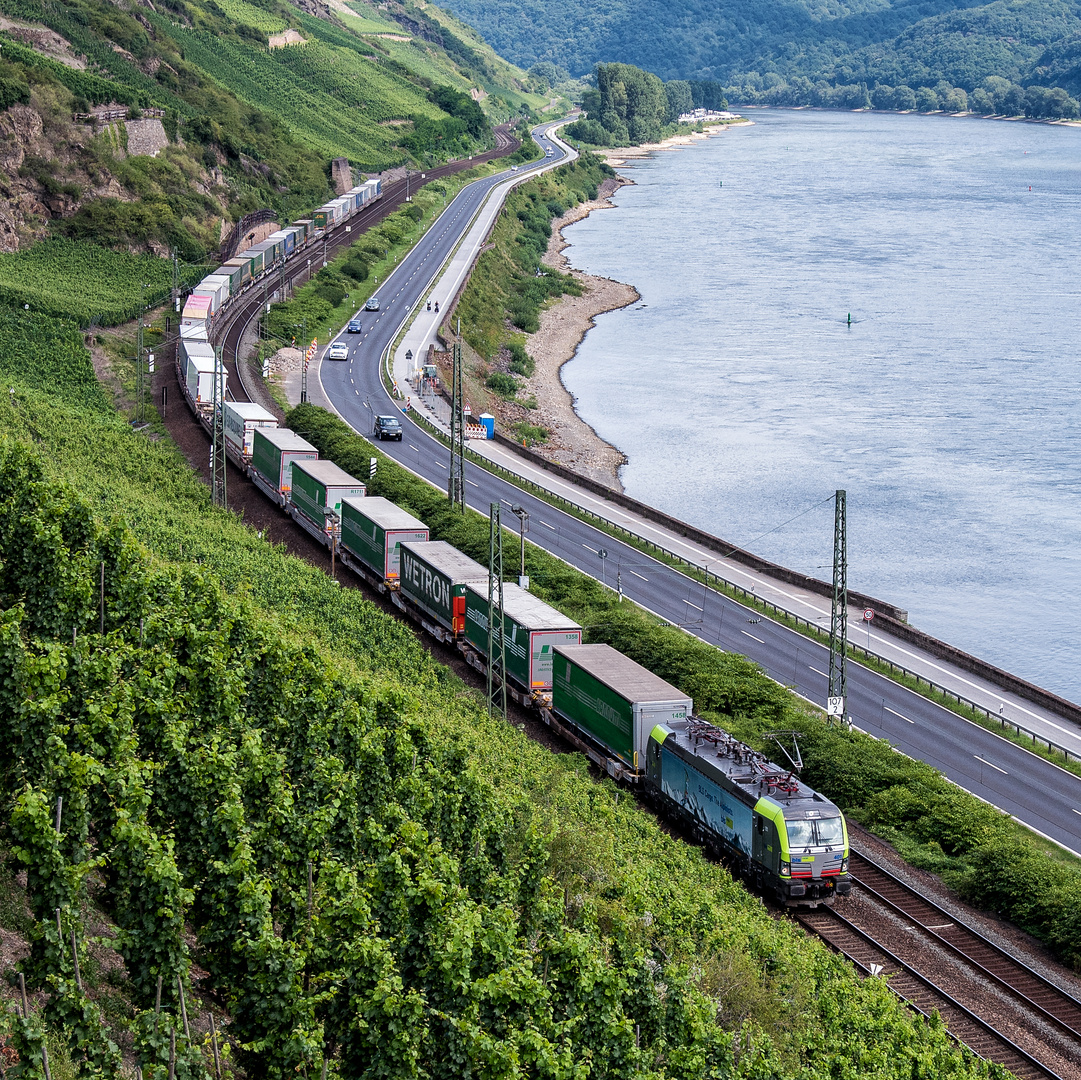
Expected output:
(758, 43)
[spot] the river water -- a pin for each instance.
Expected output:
(949, 410)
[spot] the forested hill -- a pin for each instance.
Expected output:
(156, 125)
(755, 45)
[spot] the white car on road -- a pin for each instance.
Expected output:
(338, 351)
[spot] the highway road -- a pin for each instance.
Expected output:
(1043, 796)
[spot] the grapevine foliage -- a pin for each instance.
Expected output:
(206, 768)
(357, 894)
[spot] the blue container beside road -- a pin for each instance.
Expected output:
(487, 421)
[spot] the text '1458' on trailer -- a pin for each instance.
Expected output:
(273, 452)
(615, 702)
(373, 531)
(782, 836)
(434, 577)
(532, 630)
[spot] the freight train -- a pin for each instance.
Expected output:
(213, 294)
(785, 839)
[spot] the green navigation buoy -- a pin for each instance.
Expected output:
(850, 318)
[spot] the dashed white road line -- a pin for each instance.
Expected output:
(896, 713)
(752, 637)
(984, 761)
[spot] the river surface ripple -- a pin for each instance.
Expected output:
(948, 411)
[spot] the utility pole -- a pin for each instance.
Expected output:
(217, 444)
(497, 645)
(304, 363)
(522, 514)
(456, 483)
(839, 613)
(176, 282)
(140, 378)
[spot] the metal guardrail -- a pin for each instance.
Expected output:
(723, 585)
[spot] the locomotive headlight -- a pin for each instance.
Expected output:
(844, 865)
(786, 869)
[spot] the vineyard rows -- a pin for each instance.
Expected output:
(477, 905)
(85, 282)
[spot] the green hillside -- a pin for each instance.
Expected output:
(247, 103)
(275, 798)
(802, 51)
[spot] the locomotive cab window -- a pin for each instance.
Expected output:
(830, 832)
(826, 832)
(801, 834)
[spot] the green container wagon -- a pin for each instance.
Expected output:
(434, 577)
(373, 530)
(318, 489)
(532, 629)
(234, 273)
(615, 701)
(273, 452)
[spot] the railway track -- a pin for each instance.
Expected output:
(234, 324)
(992, 995)
(843, 935)
(1053, 1003)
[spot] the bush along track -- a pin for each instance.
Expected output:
(477, 905)
(509, 285)
(933, 823)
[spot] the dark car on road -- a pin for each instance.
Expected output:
(355, 326)
(387, 427)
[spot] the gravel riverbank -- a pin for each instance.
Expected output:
(572, 441)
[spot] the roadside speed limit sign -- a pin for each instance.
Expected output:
(868, 614)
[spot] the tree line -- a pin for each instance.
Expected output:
(628, 106)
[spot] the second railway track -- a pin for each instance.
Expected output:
(995, 1004)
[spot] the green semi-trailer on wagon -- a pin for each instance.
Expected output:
(532, 631)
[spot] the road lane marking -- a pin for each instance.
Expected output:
(1077, 812)
(440, 464)
(817, 672)
(588, 548)
(637, 575)
(689, 604)
(468, 481)
(896, 713)
(984, 761)
(758, 639)
(412, 447)
(547, 526)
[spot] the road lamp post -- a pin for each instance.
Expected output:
(522, 514)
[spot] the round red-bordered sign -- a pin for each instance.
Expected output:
(868, 614)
